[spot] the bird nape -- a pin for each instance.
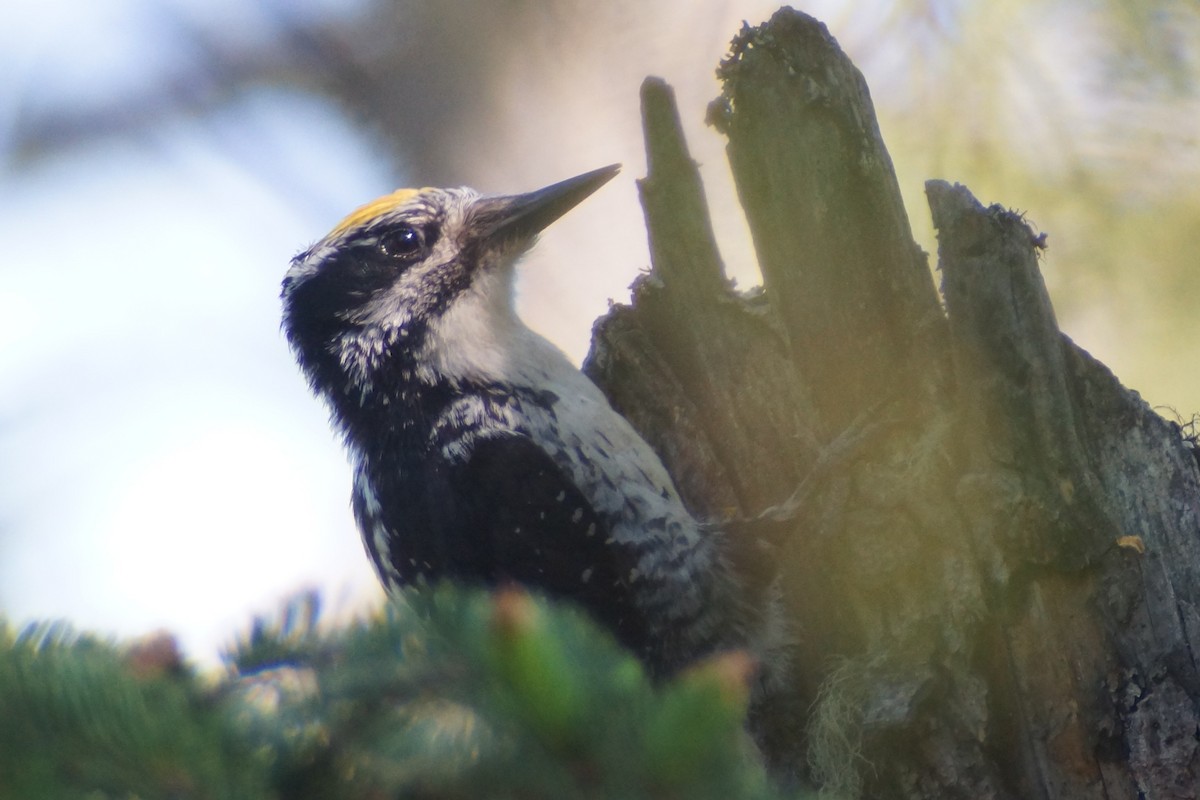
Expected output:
(480, 453)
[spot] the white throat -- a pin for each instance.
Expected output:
(480, 338)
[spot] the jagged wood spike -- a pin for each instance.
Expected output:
(827, 218)
(683, 247)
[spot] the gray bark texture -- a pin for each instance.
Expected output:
(995, 572)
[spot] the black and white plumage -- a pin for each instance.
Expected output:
(480, 452)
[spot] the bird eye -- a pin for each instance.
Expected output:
(403, 242)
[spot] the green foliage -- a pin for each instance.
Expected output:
(80, 719)
(446, 694)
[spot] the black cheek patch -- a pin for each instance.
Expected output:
(318, 306)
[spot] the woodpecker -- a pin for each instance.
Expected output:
(480, 452)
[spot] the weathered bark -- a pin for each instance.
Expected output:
(998, 595)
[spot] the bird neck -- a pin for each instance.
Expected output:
(401, 378)
(480, 341)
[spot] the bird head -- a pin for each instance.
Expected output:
(371, 291)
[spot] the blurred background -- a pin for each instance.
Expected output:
(161, 461)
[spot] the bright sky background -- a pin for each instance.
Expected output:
(161, 461)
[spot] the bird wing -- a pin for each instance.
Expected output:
(503, 512)
(543, 532)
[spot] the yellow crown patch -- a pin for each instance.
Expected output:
(377, 207)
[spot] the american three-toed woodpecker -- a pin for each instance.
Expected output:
(480, 452)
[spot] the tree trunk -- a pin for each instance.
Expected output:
(995, 576)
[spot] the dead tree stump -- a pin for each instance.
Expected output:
(996, 590)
